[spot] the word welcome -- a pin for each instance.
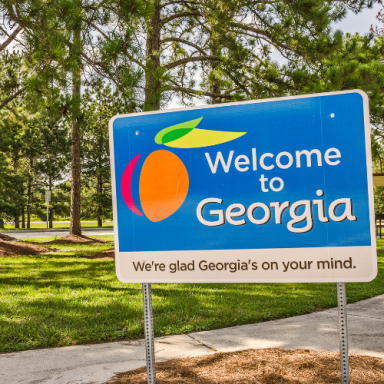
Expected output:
(235, 213)
(267, 161)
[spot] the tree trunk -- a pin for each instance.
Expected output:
(152, 72)
(215, 88)
(99, 205)
(214, 81)
(50, 217)
(1, 223)
(99, 187)
(23, 217)
(75, 228)
(50, 205)
(16, 213)
(29, 194)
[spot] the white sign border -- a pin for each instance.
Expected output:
(186, 254)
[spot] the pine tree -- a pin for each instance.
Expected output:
(50, 166)
(33, 144)
(76, 40)
(99, 104)
(11, 196)
(357, 64)
(12, 146)
(228, 42)
(14, 73)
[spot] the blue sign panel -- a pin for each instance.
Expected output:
(291, 174)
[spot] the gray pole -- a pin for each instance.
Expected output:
(343, 332)
(149, 334)
(47, 212)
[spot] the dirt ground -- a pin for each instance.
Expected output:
(74, 239)
(108, 254)
(18, 249)
(266, 366)
(6, 237)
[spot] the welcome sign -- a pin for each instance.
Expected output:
(262, 191)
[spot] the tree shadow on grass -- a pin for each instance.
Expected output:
(54, 301)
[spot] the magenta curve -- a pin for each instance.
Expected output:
(126, 182)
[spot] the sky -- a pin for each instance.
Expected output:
(360, 23)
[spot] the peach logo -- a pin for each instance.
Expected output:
(164, 179)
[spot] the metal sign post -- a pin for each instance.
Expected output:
(343, 332)
(149, 334)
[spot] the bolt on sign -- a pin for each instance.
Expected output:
(260, 191)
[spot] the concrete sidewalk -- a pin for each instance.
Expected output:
(98, 363)
(55, 232)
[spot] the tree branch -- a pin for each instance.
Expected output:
(10, 38)
(12, 97)
(190, 60)
(200, 93)
(248, 27)
(96, 65)
(177, 15)
(184, 42)
(180, 2)
(106, 37)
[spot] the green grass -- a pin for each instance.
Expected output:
(57, 226)
(61, 299)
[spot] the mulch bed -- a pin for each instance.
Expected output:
(74, 239)
(6, 237)
(17, 249)
(108, 254)
(265, 366)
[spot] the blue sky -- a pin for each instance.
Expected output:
(359, 23)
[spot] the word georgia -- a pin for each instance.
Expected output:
(237, 214)
(283, 160)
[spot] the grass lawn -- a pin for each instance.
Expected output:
(63, 299)
(59, 225)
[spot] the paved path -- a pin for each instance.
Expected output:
(68, 222)
(25, 234)
(98, 363)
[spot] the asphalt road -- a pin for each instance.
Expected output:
(56, 233)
